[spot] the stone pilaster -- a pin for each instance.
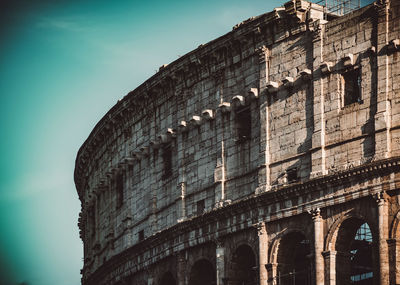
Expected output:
(394, 260)
(263, 252)
(272, 273)
(382, 238)
(330, 267)
(180, 268)
(318, 245)
(220, 262)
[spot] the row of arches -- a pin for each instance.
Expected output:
(243, 270)
(355, 251)
(351, 255)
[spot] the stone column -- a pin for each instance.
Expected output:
(318, 245)
(394, 260)
(263, 252)
(272, 273)
(220, 262)
(330, 267)
(180, 268)
(264, 173)
(382, 238)
(182, 203)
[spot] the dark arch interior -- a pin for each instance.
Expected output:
(293, 260)
(202, 273)
(167, 279)
(354, 258)
(244, 270)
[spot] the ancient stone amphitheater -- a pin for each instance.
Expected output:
(270, 155)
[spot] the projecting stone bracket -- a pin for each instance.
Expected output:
(182, 126)
(393, 46)
(238, 101)
(348, 60)
(252, 93)
(272, 86)
(225, 107)
(195, 121)
(288, 82)
(208, 114)
(306, 74)
(326, 67)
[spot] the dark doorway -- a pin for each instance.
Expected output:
(167, 279)
(294, 266)
(355, 252)
(202, 273)
(244, 268)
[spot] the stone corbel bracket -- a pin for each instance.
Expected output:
(137, 154)
(279, 13)
(238, 101)
(225, 107)
(208, 114)
(171, 133)
(128, 160)
(155, 144)
(164, 138)
(371, 50)
(182, 126)
(326, 67)
(252, 94)
(306, 74)
(348, 60)
(195, 121)
(288, 82)
(272, 86)
(144, 150)
(393, 45)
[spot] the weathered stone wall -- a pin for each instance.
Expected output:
(255, 127)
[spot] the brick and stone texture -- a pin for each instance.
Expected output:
(270, 155)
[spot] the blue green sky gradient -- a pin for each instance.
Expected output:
(63, 65)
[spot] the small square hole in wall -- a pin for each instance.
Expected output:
(351, 87)
(141, 235)
(243, 124)
(200, 206)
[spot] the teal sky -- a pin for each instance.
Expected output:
(63, 65)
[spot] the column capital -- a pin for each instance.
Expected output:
(380, 198)
(219, 242)
(315, 213)
(261, 229)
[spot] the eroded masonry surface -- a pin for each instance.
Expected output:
(270, 155)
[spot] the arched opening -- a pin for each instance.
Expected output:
(355, 253)
(202, 273)
(294, 260)
(167, 279)
(244, 268)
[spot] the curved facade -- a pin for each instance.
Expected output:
(270, 155)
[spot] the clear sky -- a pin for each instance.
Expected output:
(63, 65)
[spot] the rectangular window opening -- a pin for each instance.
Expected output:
(167, 161)
(141, 235)
(243, 124)
(119, 186)
(351, 84)
(200, 206)
(92, 217)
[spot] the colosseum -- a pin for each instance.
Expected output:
(270, 155)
